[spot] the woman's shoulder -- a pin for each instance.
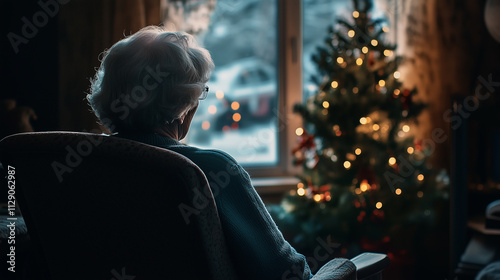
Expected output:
(217, 165)
(213, 156)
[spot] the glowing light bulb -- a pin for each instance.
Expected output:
(397, 74)
(387, 52)
(374, 42)
(236, 117)
(392, 160)
(357, 151)
(406, 128)
(340, 60)
(205, 125)
(300, 185)
(410, 150)
(355, 90)
(351, 33)
(398, 191)
(235, 105)
(355, 14)
(326, 104)
(375, 127)
(335, 84)
(317, 197)
(357, 191)
(378, 205)
(381, 83)
(364, 49)
(212, 109)
(347, 164)
(420, 177)
(359, 61)
(363, 120)
(396, 92)
(219, 94)
(364, 185)
(299, 131)
(301, 191)
(385, 29)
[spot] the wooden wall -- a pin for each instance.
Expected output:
(447, 47)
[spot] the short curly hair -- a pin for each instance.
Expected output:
(149, 79)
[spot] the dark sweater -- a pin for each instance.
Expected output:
(256, 245)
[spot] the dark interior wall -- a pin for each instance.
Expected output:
(30, 67)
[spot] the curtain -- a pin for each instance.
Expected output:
(86, 29)
(129, 16)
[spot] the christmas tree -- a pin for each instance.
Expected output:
(366, 179)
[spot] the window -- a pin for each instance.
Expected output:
(240, 114)
(245, 112)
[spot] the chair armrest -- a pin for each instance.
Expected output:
(370, 264)
(336, 269)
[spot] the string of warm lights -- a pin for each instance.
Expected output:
(362, 124)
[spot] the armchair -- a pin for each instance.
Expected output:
(100, 207)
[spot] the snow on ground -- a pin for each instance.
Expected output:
(254, 145)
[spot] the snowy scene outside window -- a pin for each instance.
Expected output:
(239, 115)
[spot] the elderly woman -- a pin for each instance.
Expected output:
(147, 89)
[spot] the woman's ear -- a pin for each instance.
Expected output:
(186, 122)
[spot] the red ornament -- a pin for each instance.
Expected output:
(418, 145)
(306, 141)
(303, 151)
(361, 216)
(356, 203)
(324, 188)
(377, 216)
(406, 99)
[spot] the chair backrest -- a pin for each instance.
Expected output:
(101, 207)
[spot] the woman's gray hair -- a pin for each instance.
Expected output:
(149, 79)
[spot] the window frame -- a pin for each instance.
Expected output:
(289, 43)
